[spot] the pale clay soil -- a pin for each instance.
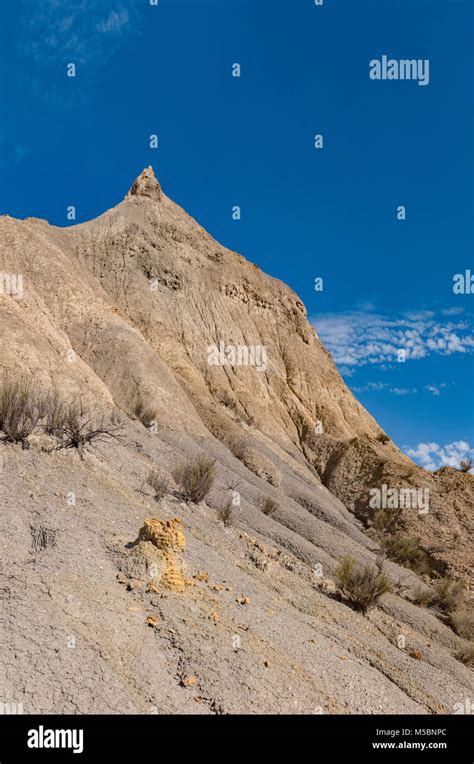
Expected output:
(231, 619)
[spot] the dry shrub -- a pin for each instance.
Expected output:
(465, 465)
(423, 596)
(158, 483)
(21, 409)
(56, 414)
(78, 431)
(42, 537)
(196, 478)
(268, 505)
(466, 655)
(462, 622)
(386, 519)
(225, 513)
(361, 585)
(407, 551)
(449, 593)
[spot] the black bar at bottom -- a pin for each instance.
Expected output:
(84, 737)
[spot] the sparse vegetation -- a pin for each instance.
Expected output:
(465, 465)
(386, 519)
(382, 437)
(56, 414)
(462, 622)
(233, 484)
(41, 538)
(145, 414)
(196, 478)
(268, 505)
(361, 585)
(78, 430)
(466, 655)
(21, 409)
(423, 596)
(158, 483)
(225, 513)
(407, 551)
(449, 593)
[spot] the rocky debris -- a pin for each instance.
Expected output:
(189, 681)
(243, 600)
(168, 538)
(164, 534)
(146, 185)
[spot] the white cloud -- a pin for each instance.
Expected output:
(432, 456)
(384, 386)
(358, 338)
(115, 22)
(76, 31)
(434, 389)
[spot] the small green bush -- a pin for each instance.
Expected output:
(196, 478)
(362, 586)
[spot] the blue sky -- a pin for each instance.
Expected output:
(249, 141)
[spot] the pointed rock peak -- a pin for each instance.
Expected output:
(146, 185)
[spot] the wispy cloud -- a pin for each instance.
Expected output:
(384, 387)
(432, 456)
(75, 31)
(358, 338)
(434, 389)
(115, 22)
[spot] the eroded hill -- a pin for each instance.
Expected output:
(123, 314)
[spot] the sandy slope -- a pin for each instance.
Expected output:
(139, 295)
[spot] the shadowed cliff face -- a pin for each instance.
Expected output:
(141, 304)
